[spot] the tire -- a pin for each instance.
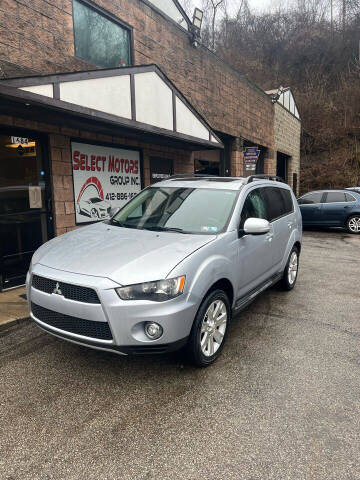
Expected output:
(289, 278)
(353, 224)
(204, 328)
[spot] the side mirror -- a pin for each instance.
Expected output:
(256, 226)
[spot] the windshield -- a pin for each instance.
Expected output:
(95, 200)
(185, 210)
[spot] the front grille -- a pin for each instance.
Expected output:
(72, 292)
(68, 323)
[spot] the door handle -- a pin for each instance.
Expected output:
(290, 225)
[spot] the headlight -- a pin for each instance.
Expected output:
(156, 291)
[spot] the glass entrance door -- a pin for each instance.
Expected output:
(24, 216)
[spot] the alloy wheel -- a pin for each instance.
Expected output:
(354, 224)
(293, 267)
(213, 328)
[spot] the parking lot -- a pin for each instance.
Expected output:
(282, 402)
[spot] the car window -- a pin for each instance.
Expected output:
(349, 198)
(275, 203)
(189, 210)
(335, 197)
(288, 203)
(310, 198)
(254, 207)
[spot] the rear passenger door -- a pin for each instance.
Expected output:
(281, 215)
(335, 208)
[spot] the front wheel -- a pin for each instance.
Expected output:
(353, 224)
(209, 330)
(291, 270)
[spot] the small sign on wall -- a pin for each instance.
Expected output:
(35, 199)
(251, 156)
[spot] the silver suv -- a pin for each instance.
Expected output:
(170, 268)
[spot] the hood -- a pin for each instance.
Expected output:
(123, 255)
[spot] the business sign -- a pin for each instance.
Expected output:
(251, 156)
(104, 178)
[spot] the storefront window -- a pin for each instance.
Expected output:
(23, 206)
(208, 162)
(99, 40)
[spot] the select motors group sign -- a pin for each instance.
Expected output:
(104, 178)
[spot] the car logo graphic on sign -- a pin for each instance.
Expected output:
(57, 290)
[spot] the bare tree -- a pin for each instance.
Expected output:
(214, 6)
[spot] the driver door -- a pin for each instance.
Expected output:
(255, 255)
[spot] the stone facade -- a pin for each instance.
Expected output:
(287, 129)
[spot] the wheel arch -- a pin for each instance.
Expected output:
(225, 285)
(297, 244)
(352, 214)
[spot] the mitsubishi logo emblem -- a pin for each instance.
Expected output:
(57, 290)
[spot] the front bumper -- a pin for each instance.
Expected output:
(123, 319)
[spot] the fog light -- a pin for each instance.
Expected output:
(153, 330)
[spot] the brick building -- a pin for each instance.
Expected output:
(99, 99)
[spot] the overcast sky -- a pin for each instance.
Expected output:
(258, 5)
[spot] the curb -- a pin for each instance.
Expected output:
(11, 323)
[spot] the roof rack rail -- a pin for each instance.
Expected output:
(190, 175)
(194, 175)
(264, 176)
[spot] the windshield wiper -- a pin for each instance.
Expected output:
(166, 229)
(122, 224)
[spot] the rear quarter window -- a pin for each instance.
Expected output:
(350, 198)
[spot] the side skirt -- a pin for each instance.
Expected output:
(243, 302)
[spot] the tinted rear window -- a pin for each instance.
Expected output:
(335, 197)
(275, 203)
(289, 207)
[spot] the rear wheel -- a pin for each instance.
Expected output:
(209, 330)
(291, 270)
(353, 224)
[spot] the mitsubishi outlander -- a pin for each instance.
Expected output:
(169, 269)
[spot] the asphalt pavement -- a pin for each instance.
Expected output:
(282, 402)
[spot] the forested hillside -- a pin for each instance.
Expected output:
(317, 54)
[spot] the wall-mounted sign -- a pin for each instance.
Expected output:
(35, 200)
(251, 156)
(104, 178)
(20, 140)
